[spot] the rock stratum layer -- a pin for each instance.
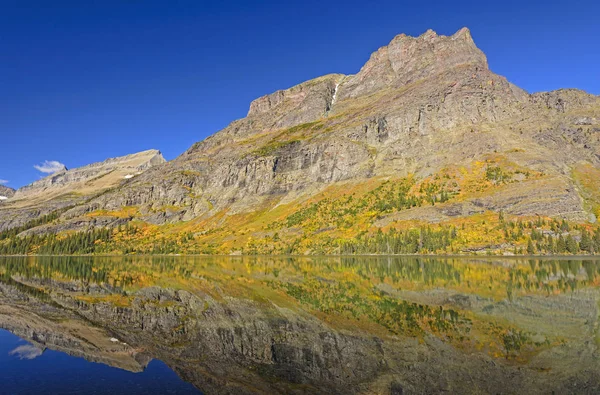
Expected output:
(424, 108)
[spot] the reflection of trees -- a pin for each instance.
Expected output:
(390, 292)
(74, 268)
(551, 276)
(513, 276)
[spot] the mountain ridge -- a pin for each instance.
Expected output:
(425, 108)
(133, 162)
(68, 187)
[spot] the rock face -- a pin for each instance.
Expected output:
(419, 105)
(409, 59)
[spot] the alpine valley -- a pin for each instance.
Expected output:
(424, 150)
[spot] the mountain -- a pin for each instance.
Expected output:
(425, 133)
(6, 192)
(66, 188)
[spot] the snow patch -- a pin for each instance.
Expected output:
(114, 340)
(128, 176)
(3, 198)
(335, 94)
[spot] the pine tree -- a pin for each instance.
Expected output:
(530, 248)
(572, 246)
(596, 240)
(586, 242)
(561, 245)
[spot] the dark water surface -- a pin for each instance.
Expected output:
(27, 368)
(237, 325)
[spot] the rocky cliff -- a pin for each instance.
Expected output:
(422, 107)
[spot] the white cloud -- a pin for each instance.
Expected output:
(50, 166)
(2, 182)
(26, 352)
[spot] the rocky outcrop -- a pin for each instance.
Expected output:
(406, 60)
(306, 102)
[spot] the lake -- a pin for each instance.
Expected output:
(299, 325)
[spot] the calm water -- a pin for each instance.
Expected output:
(27, 368)
(237, 325)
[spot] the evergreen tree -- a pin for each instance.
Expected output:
(530, 248)
(561, 245)
(586, 242)
(571, 244)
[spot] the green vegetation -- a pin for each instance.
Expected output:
(398, 316)
(51, 244)
(344, 219)
(346, 211)
(550, 237)
(44, 219)
(497, 175)
(87, 242)
(272, 147)
(412, 241)
(287, 137)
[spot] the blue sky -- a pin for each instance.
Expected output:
(81, 81)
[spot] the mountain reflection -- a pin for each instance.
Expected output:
(318, 324)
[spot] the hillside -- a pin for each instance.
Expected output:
(424, 137)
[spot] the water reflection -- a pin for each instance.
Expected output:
(329, 324)
(26, 351)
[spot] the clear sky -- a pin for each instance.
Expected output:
(81, 81)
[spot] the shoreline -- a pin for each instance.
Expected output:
(465, 256)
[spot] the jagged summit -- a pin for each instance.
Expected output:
(403, 61)
(408, 59)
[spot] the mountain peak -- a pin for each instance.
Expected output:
(407, 59)
(92, 177)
